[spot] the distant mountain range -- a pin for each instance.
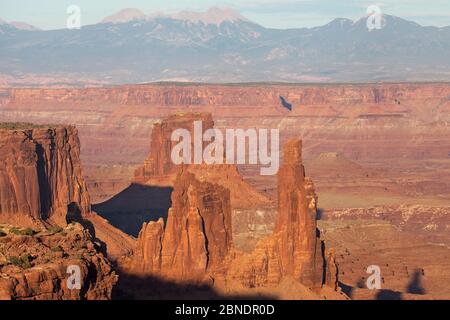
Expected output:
(221, 45)
(16, 25)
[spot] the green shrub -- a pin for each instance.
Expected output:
(57, 249)
(79, 257)
(14, 230)
(15, 261)
(47, 257)
(24, 261)
(55, 229)
(23, 232)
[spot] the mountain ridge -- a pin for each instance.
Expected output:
(19, 25)
(214, 15)
(162, 48)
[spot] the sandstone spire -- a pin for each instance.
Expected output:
(300, 245)
(147, 255)
(295, 249)
(196, 244)
(197, 236)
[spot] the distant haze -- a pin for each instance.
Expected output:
(221, 45)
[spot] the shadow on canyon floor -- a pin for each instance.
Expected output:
(136, 287)
(386, 294)
(414, 287)
(348, 290)
(319, 214)
(133, 206)
(74, 215)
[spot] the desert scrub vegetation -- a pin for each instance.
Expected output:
(22, 232)
(47, 258)
(23, 125)
(57, 249)
(55, 229)
(24, 261)
(79, 256)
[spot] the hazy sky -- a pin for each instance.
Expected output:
(51, 14)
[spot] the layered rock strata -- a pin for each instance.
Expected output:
(196, 244)
(159, 163)
(40, 174)
(159, 168)
(41, 187)
(295, 248)
(169, 95)
(197, 236)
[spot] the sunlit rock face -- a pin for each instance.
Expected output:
(197, 236)
(40, 175)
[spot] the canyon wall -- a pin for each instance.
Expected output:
(42, 186)
(40, 174)
(229, 95)
(115, 122)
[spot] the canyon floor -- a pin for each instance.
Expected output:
(379, 156)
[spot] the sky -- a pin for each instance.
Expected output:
(51, 14)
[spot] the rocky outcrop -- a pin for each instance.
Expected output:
(196, 239)
(41, 186)
(147, 255)
(196, 244)
(295, 248)
(36, 265)
(300, 247)
(159, 168)
(40, 174)
(159, 162)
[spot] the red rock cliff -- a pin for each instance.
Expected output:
(159, 168)
(40, 174)
(196, 244)
(295, 248)
(225, 95)
(300, 247)
(41, 184)
(196, 239)
(159, 162)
